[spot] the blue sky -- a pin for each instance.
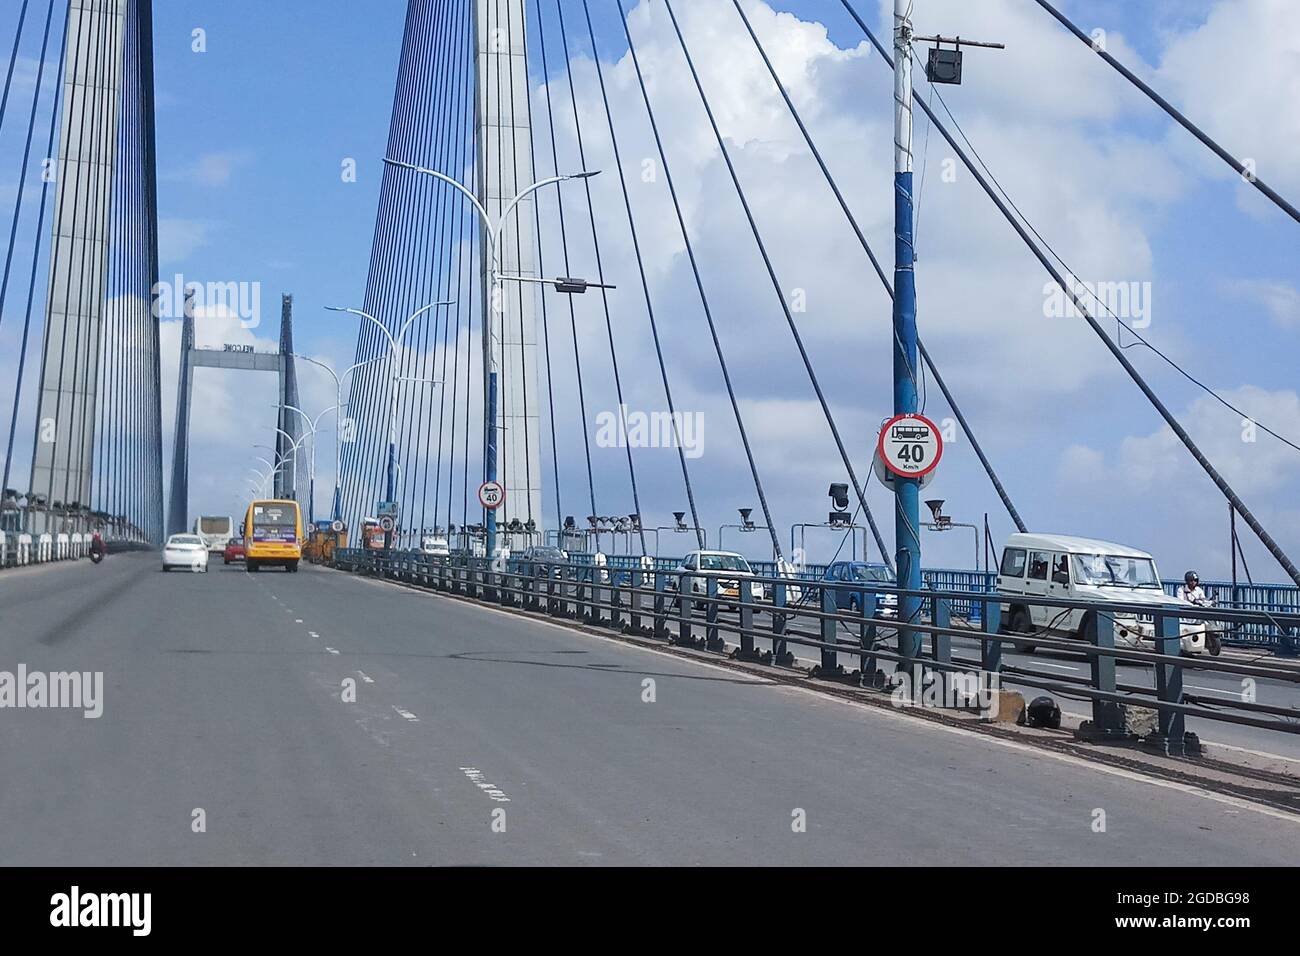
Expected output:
(251, 135)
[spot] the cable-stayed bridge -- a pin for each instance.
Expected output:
(515, 321)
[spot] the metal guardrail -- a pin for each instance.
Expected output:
(645, 601)
(22, 549)
(1270, 599)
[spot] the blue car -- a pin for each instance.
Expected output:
(860, 572)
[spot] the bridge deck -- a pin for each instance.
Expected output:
(222, 692)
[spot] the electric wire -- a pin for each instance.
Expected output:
(1116, 351)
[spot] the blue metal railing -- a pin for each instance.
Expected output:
(624, 596)
(1273, 599)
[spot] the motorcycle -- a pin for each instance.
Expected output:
(1213, 638)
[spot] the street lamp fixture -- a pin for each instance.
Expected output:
(567, 284)
(394, 341)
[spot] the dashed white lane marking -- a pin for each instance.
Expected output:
(331, 650)
(365, 677)
(312, 634)
(492, 790)
(1059, 667)
(1212, 690)
(297, 620)
(406, 714)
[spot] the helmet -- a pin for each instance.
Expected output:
(1191, 576)
(1042, 712)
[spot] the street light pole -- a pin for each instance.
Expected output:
(293, 450)
(568, 285)
(390, 483)
(337, 509)
(311, 460)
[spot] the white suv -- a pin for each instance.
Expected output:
(1061, 567)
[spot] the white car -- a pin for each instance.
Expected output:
(1062, 567)
(186, 552)
(730, 570)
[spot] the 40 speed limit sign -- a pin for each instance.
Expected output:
(910, 446)
(491, 495)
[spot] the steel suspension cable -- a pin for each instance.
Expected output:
(31, 282)
(27, 151)
(365, 380)
(564, 246)
(600, 272)
(13, 61)
(1247, 174)
(541, 268)
(645, 283)
(776, 284)
(418, 269)
(84, 136)
(454, 224)
(427, 267)
(518, 226)
(371, 393)
(1220, 482)
(880, 272)
(699, 285)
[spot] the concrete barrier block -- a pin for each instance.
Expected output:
(1140, 721)
(1006, 709)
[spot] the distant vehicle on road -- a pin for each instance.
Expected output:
(435, 545)
(186, 552)
(860, 572)
(372, 536)
(273, 535)
(730, 570)
(542, 558)
(1062, 567)
(234, 551)
(215, 530)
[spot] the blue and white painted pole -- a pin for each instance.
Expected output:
(492, 460)
(907, 519)
(390, 480)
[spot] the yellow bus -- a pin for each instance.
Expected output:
(273, 535)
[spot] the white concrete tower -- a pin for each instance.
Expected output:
(504, 142)
(62, 463)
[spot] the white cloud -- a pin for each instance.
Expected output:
(213, 169)
(1251, 460)
(1279, 299)
(178, 239)
(1237, 75)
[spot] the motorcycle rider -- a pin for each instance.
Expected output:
(97, 548)
(1192, 592)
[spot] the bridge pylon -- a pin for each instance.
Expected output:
(244, 358)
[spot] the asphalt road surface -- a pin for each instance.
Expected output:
(478, 737)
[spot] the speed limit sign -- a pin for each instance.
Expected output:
(491, 495)
(387, 524)
(910, 446)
